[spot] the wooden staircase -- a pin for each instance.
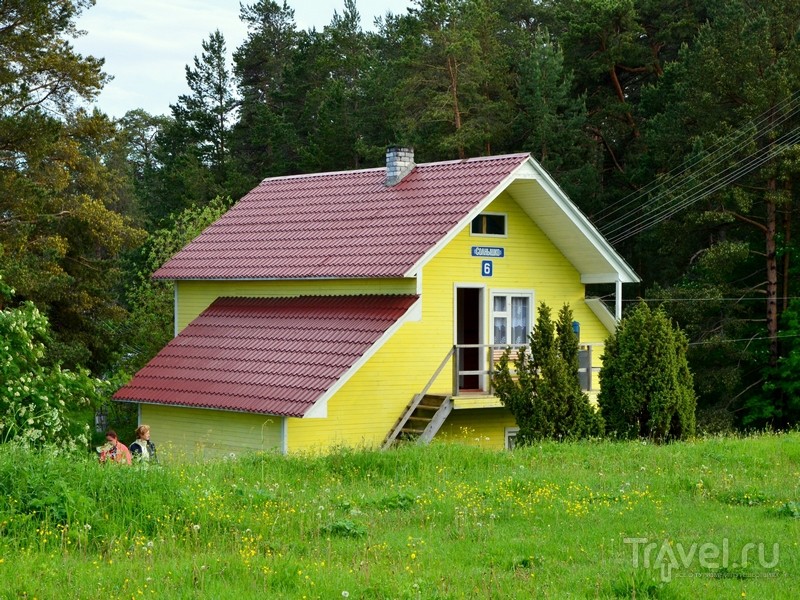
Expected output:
(421, 420)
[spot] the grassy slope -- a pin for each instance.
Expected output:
(444, 521)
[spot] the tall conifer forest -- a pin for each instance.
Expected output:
(673, 124)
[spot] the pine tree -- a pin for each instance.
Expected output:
(542, 389)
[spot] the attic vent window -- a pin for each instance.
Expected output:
(489, 224)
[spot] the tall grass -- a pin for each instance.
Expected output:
(442, 521)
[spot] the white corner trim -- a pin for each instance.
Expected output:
(320, 408)
(285, 436)
(602, 313)
(175, 309)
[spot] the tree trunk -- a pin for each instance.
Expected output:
(621, 95)
(453, 69)
(787, 241)
(772, 273)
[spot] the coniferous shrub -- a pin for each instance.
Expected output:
(646, 388)
(541, 387)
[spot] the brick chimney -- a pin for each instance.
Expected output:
(399, 163)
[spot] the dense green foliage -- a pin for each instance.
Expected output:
(539, 383)
(150, 303)
(646, 387)
(779, 401)
(60, 230)
(670, 123)
(41, 405)
(549, 520)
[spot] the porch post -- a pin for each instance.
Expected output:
(618, 307)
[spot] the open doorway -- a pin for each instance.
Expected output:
(469, 331)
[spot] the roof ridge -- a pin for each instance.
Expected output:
(315, 296)
(371, 169)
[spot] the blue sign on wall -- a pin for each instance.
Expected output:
(488, 252)
(486, 268)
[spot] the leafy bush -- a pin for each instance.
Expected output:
(790, 509)
(543, 390)
(41, 404)
(344, 528)
(646, 387)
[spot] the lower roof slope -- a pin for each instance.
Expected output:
(265, 355)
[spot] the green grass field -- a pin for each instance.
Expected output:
(577, 520)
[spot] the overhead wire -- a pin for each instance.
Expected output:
(708, 299)
(610, 228)
(787, 108)
(794, 98)
(750, 339)
(623, 231)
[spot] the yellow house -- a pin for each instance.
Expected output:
(359, 307)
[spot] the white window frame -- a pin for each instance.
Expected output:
(511, 437)
(491, 235)
(508, 295)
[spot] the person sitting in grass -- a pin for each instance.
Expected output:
(143, 450)
(114, 450)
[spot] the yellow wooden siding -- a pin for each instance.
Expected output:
(363, 411)
(484, 427)
(531, 262)
(189, 433)
(195, 296)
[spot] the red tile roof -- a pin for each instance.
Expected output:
(265, 355)
(346, 224)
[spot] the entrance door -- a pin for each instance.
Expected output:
(469, 331)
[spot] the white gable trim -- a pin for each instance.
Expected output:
(490, 197)
(589, 231)
(600, 278)
(320, 408)
(529, 169)
(602, 313)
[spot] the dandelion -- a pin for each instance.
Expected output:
(196, 527)
(345, 594)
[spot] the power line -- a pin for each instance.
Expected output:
(671, 181)
(684, 199)
(728, 175)
(750, 339)
(708, 299)
(689, 162)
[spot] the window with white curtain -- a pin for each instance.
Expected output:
(511, 318)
